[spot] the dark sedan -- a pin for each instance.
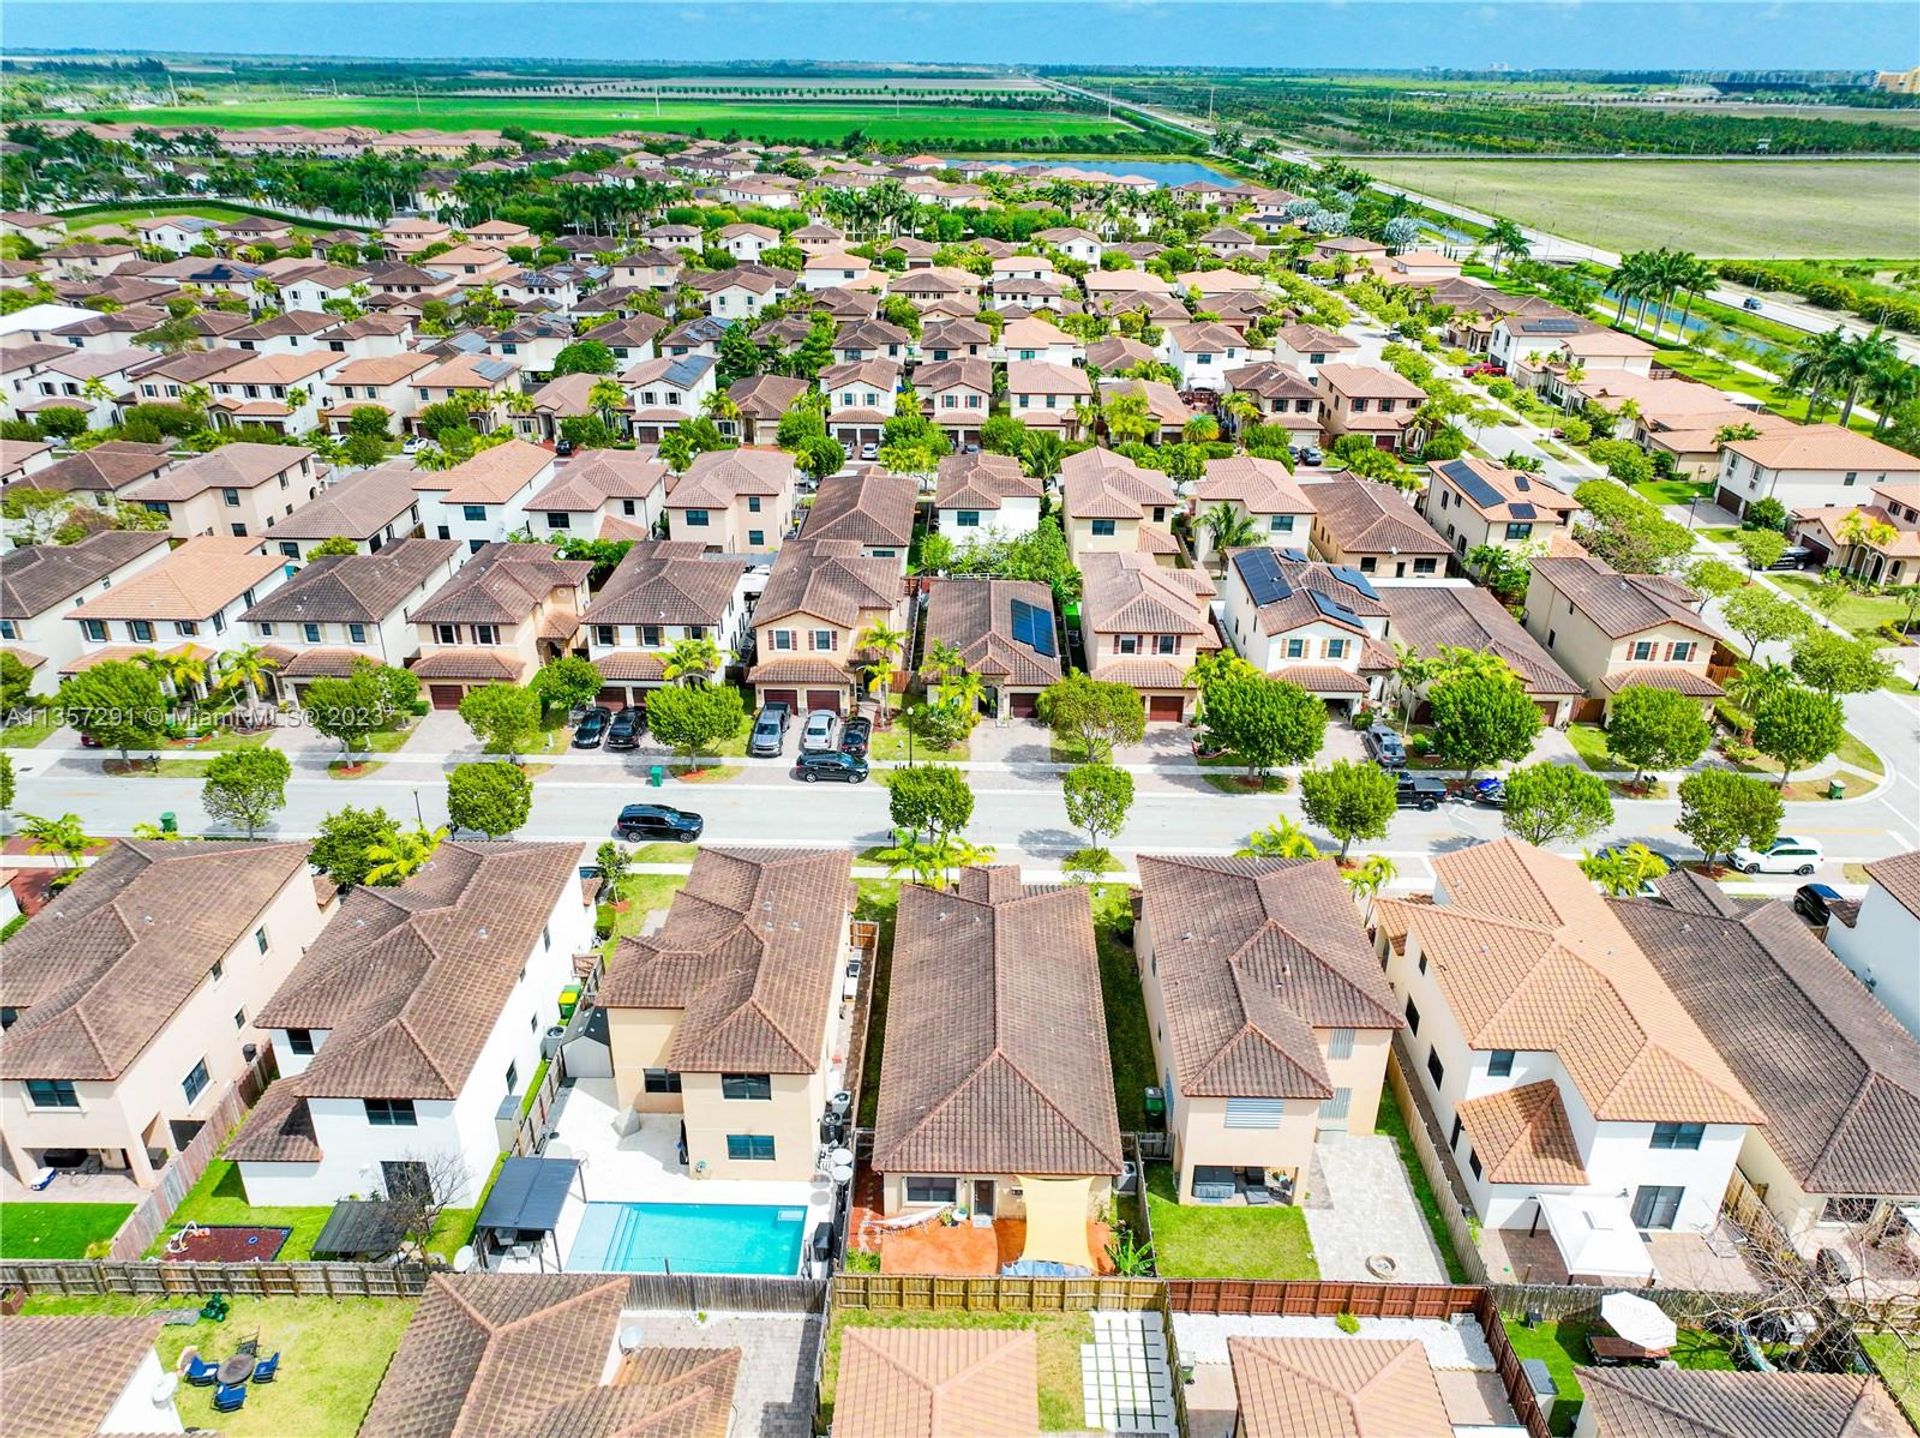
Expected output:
(658, 821)
(624, 731)
(831, 765)
(592, 727)
(856, 737)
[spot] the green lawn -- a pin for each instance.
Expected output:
(333, 1354)
(1058, 1335)
(1205, 1240)
(879, 903)
(1720, 534)
(892, 744)
(1129, 1039)
(218, 1198)
(112, 218)
(643, 893)
(1590, 743)
(31, 732)
(58, 1230)
(664, 853)
(1563, 1347)
(1392, 1123)
(1673, 491)
(1860, 614)
(1900, 1366)
(1853, 752)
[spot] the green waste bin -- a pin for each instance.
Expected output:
(168, 823)
(657, 775)
(1836, 789)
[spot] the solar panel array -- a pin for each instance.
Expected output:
(1522, 510)
(1332, 608)
(1260, 568)
(1552, 327)
(1521, 482)
(1471, 484)
(1033, 627)
(1349, 575)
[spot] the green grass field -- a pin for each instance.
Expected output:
(1727, 208)
(793, 121)
(57, 1230)
(111, 219)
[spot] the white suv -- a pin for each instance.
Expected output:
(1786, 855)
(822, 725)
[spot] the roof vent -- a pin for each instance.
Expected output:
(482, 932)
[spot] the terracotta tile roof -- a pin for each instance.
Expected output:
(354, 588)
(110, 466)
(1823, 447)
(828, 579)
(1271, 381)
(657, 584)
(1900, 877)
(64, 1374)
(379, 370)
(1683, 1403)
(198, 579)
(937, 1383)
(751, 951)
(36, 577)
(600, 475)
(359, 507)
(1116, 353)
(1427, 617)
(975, 616)
(1522, 1135)
(1130, 594)
(1366, 381)
(483, 666)
(782, 672)
(524, 1354)
(503, 584)
(1099, 484)
(1838, 1076)
(411, 980)
(1298, 608)
(493, 476)
(1261, 486)
(1364, 516)
(1620, 604)
(1253, 955)
(1336, 1388)
(997, 1042)
(981, 480)
(1661, 676)
(766, 396)
(1322, 679)
(1509, 487)
(108, 962)
(1045, 377)
(718, 477)
(1529, 956)
(873, 508)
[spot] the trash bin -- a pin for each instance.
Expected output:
(168, 823)
(1154, 1102)
(1836, 789)
(657, 775)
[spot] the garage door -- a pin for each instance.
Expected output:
(446, 696)
(613, 694)
(1727, 499)
(1164, 706)
(788, 697)
(1023, 706)
(823, 699)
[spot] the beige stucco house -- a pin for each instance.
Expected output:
(733, 500)
(1610, 631)
(822, 595)
(1111, 505)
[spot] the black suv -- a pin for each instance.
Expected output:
(830, 764)
(624, 731)
(769, 731)
(593, 727)
(1418, 792)
(856, 735)
(658, 821)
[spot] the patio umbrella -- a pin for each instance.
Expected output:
(1638, 1321)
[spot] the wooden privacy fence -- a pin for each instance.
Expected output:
(1220, 1297)
(918, 1293)
(194, 1280)
(726, 1293)
(1553, 1302)
(1436, 1162)
(177, 1179)
(531, 1135)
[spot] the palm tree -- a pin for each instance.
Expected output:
(247, 668)
(518, 402)
(1242, 409)
(926, 859)
(604, 397)
(1890, 386)
(1621, 872)
(181, 671)
(1229, 527)
(964, 691)
(1817, 364)
(690, 660)
(401, 856)
(1129, 418)
(940, 660)
(1865, 356)
(1282, 839)
(1507, 238)
(65, 837)
(1368, 878)
(721, 408)
(1412, 671)
(885, 645)
(1754, 682)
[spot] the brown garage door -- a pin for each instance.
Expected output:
(1023, 706)
(445, 696)
(788, 697)
(613, 694)
(1164, 706)
(823, 699)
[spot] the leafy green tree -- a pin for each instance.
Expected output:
(1797, 727)
(335, 544)
(62, 422)
(503, 717)
(1500, 569)
(1623, 870)
(1265, 722)
(16, 681)
(567, 682)
(1098, 797)
(117, 704)
(1768, 513)
(584, 357)
(1656, 729)
(588, 431)
(492, 798)
(692, 718)
(1349, 799)
(246, 787)
(65, 838)
(818, 456)
(1761, 548)
(1003, 434)
(1714, 578)
(1094, 714)
(6, 783)
(1721, 810)
(401, 855)
(1553, 803)
(1839, 664)
(1760, 616)
(1481, 719)
(930, 799)
(340, 849)
(355, 708)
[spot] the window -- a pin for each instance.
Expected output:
(1656, 1205)
(782, 639)
(1335, 1109)
(1254, 1112)
(474, 513)
(513, 1077)
(1335, 648)
(1453, 1139)
(1473, 1162)
(823, 639)
(1681, 651)
(605, 634)
(1359, 406)
(1166, 644)
(8, 630)
(1413, 1018)
(300, 1041)
(747, 1086)
(312, 633)
(1435, 1069)
(239, 1018)
(485, 634)
(357, 633)
(140, 631)
(1426, 566)
(660, 1081)
(1127, 644)
(1296, 649)
(220, 616)
(1103, 527)
(750, 1147)
(650, 636)
(217, 971)
(52, 1093)
(1641, 649)
(1281, 524)
(557, 520)
(1340, 1044)
(186, 628)
(932, 1190)
(1368, 564)
(231, 497)
(260, 938)
(390, 1112)
(1500, 1063)
(696, 519)
(1678, 1136)
(195, 1083)
(753, 504)
(756, 538)
(446, 634)
(967, 518)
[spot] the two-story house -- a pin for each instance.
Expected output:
(723, 1022)
(482, 500)
(600, 485)
(39, 583)
(1271, 1022)
(1475, 502)
(868, 338)
(1886, 550)
(836, 269)
(665, 393)
(1357, 399)
(503, 614)
(1005, 633)
(981, 495)
(871, 508)
(373, 508)
(1306, 623)
(189, 601)
(1813, 464)
(820, 598)
(1169, 413)
(1573, 1087)
(344, 607)
(1455, 615)
(1879, 944)
(1285, 397)
(631, 338)
(1261, 491)
(954, 339)
(1045, 396)
(860, 399)
(132, 1001)
(237, 489)
(733, 500)
(1371, 527)
(1032, 338)
(664, 591)
(481, 382)
(387, 382)
(1109, 504)
(762, 400)
(286, 392)
(1203, 353)
(415, 1015)
(100, 476)
(1144, 625)
(957, 395)
(1074, 242)
(1610, 630)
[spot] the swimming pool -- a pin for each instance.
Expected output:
(688, 1238)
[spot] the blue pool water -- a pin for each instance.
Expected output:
(688, 1238)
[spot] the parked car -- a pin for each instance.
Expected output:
(1751, 302)
(1648, 889)
(562, 448)
(1794, 556)
(1487, 367)
(856, 737)
(624, 731)
(410, 445)
(1417, 791)
(869, 451)
(834, 765)
(769, 731)
(658, 821)
(1786, 855)
(1310, 456)
(822, 727)
(592, 727)
(1814, 903)
(1383, 746)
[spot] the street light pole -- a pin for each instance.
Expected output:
(418, 817)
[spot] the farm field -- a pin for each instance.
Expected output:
(797, 122)
(1732, 208)
(110, 220)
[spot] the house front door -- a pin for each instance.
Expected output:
(983, 1197)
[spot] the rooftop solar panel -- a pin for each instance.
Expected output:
(1521, 482)
(1332, 608)
(1260, 569)
(1349, 575)
(1033, 627)
(1522, 510)
(1471, 484)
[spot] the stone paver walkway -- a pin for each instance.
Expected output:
(1125, 1381)
(1359, 1203)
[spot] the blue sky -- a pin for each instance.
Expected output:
(1517, 33)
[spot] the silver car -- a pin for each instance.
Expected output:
(822, 727)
